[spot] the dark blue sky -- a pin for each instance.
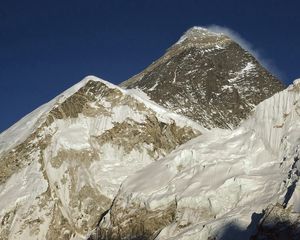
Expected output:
(47, 46)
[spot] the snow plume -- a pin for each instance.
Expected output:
(267, 63)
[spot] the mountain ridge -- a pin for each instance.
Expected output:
(138, 161)
(70, 164)
(221, 178)
(207, 77)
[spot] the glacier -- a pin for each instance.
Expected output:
(218, 179)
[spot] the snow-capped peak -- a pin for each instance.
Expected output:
(20, 130)
(198, 33)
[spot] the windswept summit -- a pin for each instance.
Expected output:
(207, 77)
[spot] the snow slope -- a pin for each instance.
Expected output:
(63, 164)
(218, 180)
(20, 130)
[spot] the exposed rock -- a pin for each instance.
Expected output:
(207, 77)
(135, 225)
(71, 165)
(278, 223)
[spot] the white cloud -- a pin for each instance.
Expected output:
(267, 63)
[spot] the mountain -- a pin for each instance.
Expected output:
(160, 156)
(219, 184)
(62, 165)
(207, 77)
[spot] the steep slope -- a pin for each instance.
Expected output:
(207, 77)
(62, 165)
(216, 185)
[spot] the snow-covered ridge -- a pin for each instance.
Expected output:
(162, 112)
(23, 128)
(77, 151)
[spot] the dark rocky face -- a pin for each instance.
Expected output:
(278, 223)
(208, 78)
